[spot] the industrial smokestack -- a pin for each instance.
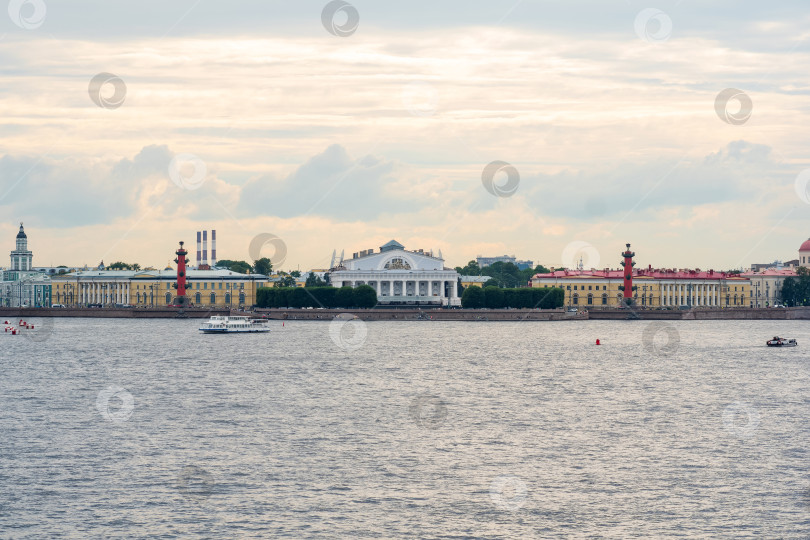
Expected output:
(205, 247)
(199, 248)
(213, 248)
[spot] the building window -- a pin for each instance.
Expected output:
(213, 298)
(604, 299)
(228, 298)
(575, 287)
(590, 287)
(576, 299)
(168, 298)
(197, 297)
(568, 287)
(590, 299)
(220, 285)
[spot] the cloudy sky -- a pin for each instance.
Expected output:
(126, 127)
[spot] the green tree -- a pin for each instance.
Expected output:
(263, 266)
(118, 265)
(472, 298)
(314, 280)
(493, 297)
(472, 269)
(240, 267)
(365, 296)
(344, 297)
(296, 274)
(285, 281)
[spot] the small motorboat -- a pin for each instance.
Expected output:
(781, 342)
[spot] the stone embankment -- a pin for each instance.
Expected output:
(471, 315)
(110, 313)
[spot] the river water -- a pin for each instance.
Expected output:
(135, 428)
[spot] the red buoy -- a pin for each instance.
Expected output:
(597, 342)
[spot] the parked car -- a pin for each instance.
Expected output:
(94, 305)
(57, 305)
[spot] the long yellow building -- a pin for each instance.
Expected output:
(654, 288)
(154, 288)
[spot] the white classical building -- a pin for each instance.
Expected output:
(400, 276)
(21, 286)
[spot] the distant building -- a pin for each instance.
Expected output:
(487, 261)
(22, 286)
(400, 276)
(21, 258)
(775, 265)
(155, 288)
(654, 288)
(804, 254)
(474, 281)
(766, 285)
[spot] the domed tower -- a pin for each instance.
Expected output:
(21, 258)
(804, 254)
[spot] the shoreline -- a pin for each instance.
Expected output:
(388, 314)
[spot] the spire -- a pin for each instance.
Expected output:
(21, 234)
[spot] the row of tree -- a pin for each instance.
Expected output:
(525, 298)
(502, 274)
(796, 291)
(261, 266)
(363, 296)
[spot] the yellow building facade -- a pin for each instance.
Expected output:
(147, 288)
(672, 289)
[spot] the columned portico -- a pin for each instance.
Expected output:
(400, 276)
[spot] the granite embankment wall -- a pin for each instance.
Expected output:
(758, 314)
(108, 313)
(14, 314)
(415, 314)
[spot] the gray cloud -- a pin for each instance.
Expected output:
(734, 173)
(331, 184)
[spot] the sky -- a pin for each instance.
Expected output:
(555, 131)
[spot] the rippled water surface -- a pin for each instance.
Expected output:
(121, 428)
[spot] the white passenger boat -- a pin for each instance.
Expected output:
(781, 342)
(233, 325)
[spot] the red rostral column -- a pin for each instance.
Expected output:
(181, 261)
(628, 265)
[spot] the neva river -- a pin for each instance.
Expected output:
(133, 428)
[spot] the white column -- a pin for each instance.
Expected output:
(453, 293)
(430, 287)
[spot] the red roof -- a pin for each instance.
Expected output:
(805, 246)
